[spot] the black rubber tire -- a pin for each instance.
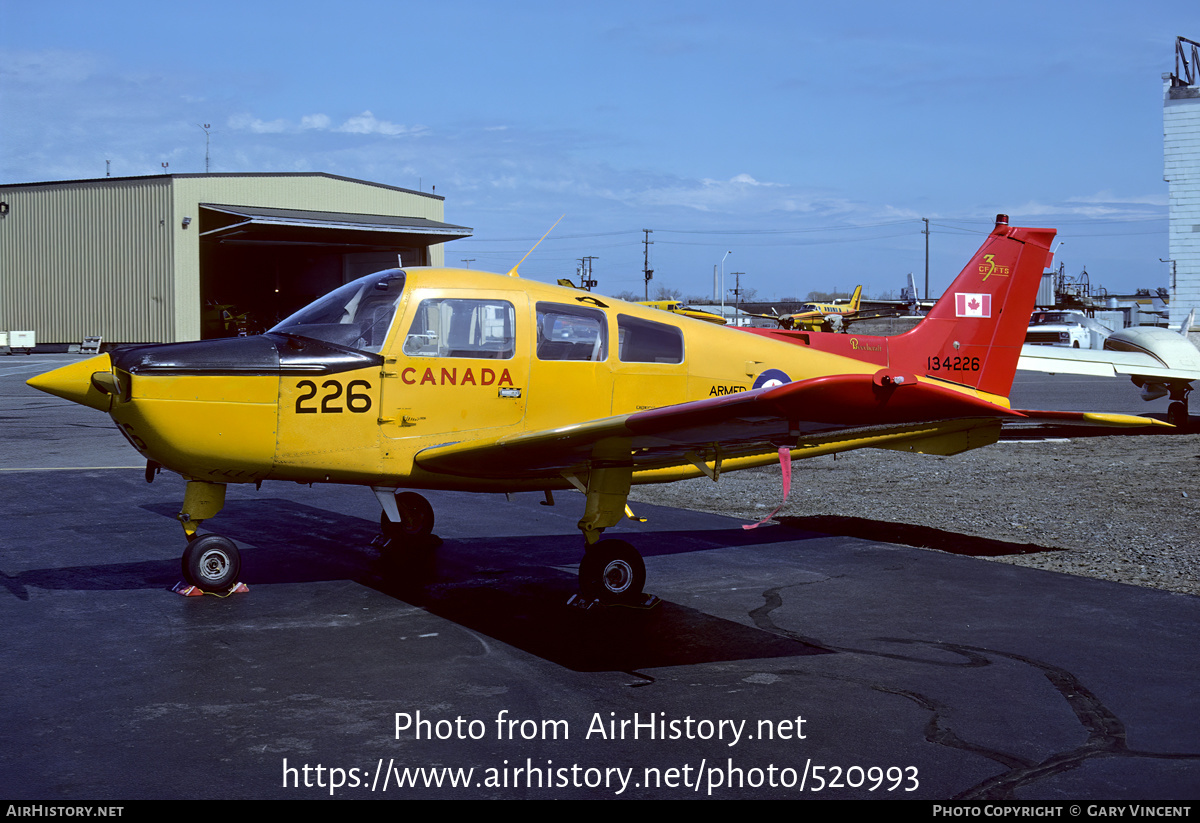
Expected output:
(1177, 414)
(416, 517)
(612, 571)
(212, 563)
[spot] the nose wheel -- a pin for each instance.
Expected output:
(211, 563)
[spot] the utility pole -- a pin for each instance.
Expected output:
(585, 273)
(647, 272)
(737, 292)
(926, 233)
(468, 261)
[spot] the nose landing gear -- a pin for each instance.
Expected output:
(210, 563)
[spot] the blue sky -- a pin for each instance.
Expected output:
(806, 138)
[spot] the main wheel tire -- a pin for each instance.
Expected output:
(612, 571)
(212, 563)
(416, 517)
(1177, 414)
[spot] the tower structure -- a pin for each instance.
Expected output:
(1181, 170)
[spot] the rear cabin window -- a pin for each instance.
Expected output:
(571, 333)
(644, 341)
(456, 327)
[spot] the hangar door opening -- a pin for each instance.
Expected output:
(259, 265)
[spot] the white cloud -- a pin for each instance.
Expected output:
(245, 122)
(1109, 199)
(367, 123)
(315, 121)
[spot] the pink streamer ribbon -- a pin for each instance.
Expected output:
(785, 463)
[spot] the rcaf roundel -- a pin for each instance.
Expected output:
(771, 378)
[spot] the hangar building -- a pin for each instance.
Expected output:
(175, 257)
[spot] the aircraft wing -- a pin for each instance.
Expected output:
(829, 413)
(1105, 363)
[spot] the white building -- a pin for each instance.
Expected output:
(1181, 170)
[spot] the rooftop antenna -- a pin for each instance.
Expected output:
(513, 271)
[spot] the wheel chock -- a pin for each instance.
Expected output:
(644, 601)
(188, 590)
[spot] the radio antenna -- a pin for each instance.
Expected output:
(513, 271)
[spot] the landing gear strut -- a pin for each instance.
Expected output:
(611, 571)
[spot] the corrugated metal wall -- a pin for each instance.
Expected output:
(92, 257)
(311, 192)
(111, 256)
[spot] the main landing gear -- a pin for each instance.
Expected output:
(406, 523)
(1177, 412)
(612, 571)
(415, 518)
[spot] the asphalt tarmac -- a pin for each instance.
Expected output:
(780, 663)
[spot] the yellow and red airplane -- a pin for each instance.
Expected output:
(428, 378)
(815, 316)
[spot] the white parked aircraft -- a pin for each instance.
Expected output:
(1159, 361)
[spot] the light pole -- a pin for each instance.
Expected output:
(206, 127)
(723, 283)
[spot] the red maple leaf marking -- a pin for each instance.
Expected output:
(973, 305)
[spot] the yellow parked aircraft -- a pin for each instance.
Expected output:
(814, 316)
(427, 378)
(677, 307)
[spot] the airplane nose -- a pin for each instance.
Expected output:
(74, 382)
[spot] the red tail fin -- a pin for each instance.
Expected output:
(973, 334)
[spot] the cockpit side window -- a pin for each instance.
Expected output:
(357, 315)
(460, 327)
